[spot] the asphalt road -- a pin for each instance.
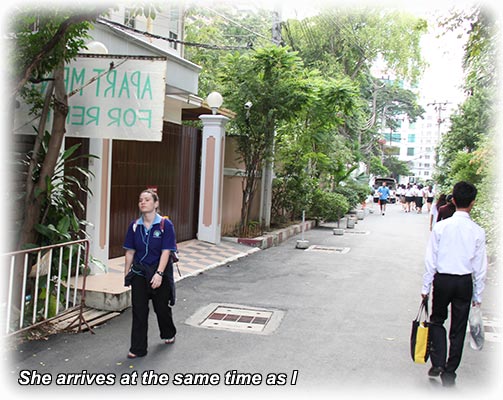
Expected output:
(343, 316)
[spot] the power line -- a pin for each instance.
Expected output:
(172, 40)
(237, 23)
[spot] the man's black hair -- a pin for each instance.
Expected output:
(464, 193)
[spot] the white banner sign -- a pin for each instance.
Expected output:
(115, 97)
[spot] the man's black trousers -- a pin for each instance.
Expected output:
(455, 290)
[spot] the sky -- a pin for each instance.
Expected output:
(444, 75)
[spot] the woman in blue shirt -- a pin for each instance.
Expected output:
(149, 242)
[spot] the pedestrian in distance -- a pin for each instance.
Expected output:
(456, 267)
(149, 243)
(409, 197)
(419, 197)
(429, 194)
(434, 209)
(371, 200)
(447, 210)
(375, 194)
(384, 193)
(401, 195)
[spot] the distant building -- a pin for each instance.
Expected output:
(423, 137)
(416, 142)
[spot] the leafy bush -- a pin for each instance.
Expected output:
(349, 194)
(354, 192)
(291, 195)
(60, 206)
(328, 206)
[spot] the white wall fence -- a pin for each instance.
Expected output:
(41, 284)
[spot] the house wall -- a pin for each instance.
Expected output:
(233, 191)
(167, 22)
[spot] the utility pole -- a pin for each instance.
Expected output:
(439, 107)
(276, 26)
(267, 171)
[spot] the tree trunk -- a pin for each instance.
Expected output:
(54, 41)
(34, 199)
(30, 184)
(249, 183)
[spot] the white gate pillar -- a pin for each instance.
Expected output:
(212, 175)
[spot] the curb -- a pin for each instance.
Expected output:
(274, 238)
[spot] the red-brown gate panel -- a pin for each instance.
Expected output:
(171, 166)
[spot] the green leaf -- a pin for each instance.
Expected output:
(64, 225)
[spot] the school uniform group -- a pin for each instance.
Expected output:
(455, 270)
(413, 197)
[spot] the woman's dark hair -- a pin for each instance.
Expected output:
(441, 201)
(464, 193)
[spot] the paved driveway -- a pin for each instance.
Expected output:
(342, 314)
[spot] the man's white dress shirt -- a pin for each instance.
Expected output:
(457, 246)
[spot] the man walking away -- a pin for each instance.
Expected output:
(456, 266)
(383, 196)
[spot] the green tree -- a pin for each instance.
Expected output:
(468, 150)
(43, 42)
(347, 42)
(396, 167)
(393, 103)
(228, 31)
(377, 168)
(468, 127)
(336, 127)
(350, 40)
(42, 45)
(309, 149)
(273, 80)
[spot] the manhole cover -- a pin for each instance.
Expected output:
(237, 318)
(328, 249)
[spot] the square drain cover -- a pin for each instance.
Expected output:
(237, 318)
(328, 249)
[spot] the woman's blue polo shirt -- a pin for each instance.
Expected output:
(149, 244)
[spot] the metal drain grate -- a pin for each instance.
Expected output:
(328, 249)
(356, 232)
(237, 318)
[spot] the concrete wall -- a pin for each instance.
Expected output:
(233, 190)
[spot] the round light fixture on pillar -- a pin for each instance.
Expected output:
(214, 100)
(95, 47)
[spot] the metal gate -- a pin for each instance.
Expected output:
(172, 167)
(43, 283)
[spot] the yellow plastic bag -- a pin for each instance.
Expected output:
(419, 337)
